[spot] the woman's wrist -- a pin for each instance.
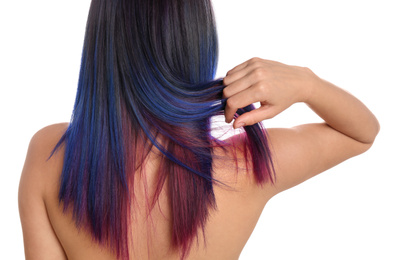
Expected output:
(311, 84)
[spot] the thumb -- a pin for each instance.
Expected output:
(254, 116)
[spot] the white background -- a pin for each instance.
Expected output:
(349, 212)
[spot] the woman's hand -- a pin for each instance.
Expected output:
(303, 151)
(275, 85)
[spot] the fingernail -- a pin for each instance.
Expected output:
(240, 124)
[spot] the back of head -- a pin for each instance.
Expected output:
(147, 74)
(174, 39)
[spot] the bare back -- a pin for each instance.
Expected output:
(227, 230)
(229, 226)
(298, 154)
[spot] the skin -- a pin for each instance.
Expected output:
(299, 153)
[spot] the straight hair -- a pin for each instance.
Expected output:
(147, 80)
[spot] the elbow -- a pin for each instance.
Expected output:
(375, 129)
(366, 142)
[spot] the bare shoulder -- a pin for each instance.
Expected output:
(298, 154)
(48, 135)
(232, 167)
(38, 172)
(38, 163)
(302, 152)
(39, 150)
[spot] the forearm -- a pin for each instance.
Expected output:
(342, 111)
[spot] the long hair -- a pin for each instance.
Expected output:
(147, 74)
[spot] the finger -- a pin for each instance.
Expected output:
(241, 99)
(245, 81)
(245, 64)
(251, 75)
(238, 67)
(255, 116)
(241, 70)
(232, 77)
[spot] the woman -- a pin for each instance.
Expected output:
(136, 174)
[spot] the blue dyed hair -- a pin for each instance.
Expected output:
(147, 74)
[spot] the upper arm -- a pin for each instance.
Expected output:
(40, 241)
(304, 151)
